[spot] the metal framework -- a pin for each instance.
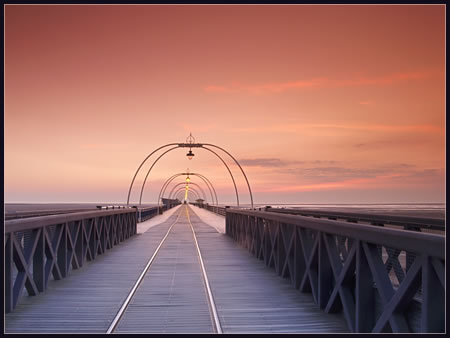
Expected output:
(40, 247)
(190, 183)
(204, 178)
(177, 193)
(350, 268)
(182, 189)
(189, 145)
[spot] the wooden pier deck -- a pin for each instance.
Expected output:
(249, 297)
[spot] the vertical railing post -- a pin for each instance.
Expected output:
(325, 273)
(62, 251)
(433, 299)
(38, 262)
(299, 259)
(8, 272)
(364, 293)
(280, 255)
(79, 244)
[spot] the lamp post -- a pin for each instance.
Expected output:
(190, 139)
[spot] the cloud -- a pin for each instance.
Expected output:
(384, 128)
(321, 82)
(332, 174)
(278, 163)
(348, 179)
(263, 162)
(340, 173)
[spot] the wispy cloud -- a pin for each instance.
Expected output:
(263, 162)
(297, 127)
(279, 163)
(321, 82)
(362, 179)
(334, 173)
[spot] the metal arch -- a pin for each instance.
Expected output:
(245, 176)
(166, 183)
(190, 189)
(139, 168)
(148, 172)
(161, 193)
(173, 189)
(180, 190)
(190, 183)
(190, 145)
(203, 176)
(235, 187)
(195, 174)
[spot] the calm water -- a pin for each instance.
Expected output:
(433, 210)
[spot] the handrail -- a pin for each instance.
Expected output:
(412, 221)
(380, 278)
(418, 242)
(40, 247)
(39, 222)
(9, 215)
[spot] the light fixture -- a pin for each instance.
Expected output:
(190, 154)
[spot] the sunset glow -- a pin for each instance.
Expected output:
(319, 104)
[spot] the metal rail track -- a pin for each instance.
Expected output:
(212, 306)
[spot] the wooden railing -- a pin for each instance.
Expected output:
(359, 270)
(37, 213)
(405, 222)
(39, 248)
(213, 208)
(144, 214)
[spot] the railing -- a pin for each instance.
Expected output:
(144, 214)
(406, 222)
(39, 248)
(213, 208)
(37, 213)
(147, 213)
(349, 268)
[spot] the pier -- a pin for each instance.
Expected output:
(264, 272)
(312, 198)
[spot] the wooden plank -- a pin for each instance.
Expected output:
(250, 297)
(172, 297)
(87, 300)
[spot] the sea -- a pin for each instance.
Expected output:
(426, 210)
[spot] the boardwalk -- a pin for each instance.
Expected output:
(172, 297)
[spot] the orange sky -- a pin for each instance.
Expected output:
(320, 104)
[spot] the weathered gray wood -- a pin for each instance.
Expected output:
(364, 292)
(432, 320)
(87, 300)
(251, 298)
(172, 297)
(248, 295)
(417, 242)
(8, 273)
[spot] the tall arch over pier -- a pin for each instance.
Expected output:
(190, 143)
